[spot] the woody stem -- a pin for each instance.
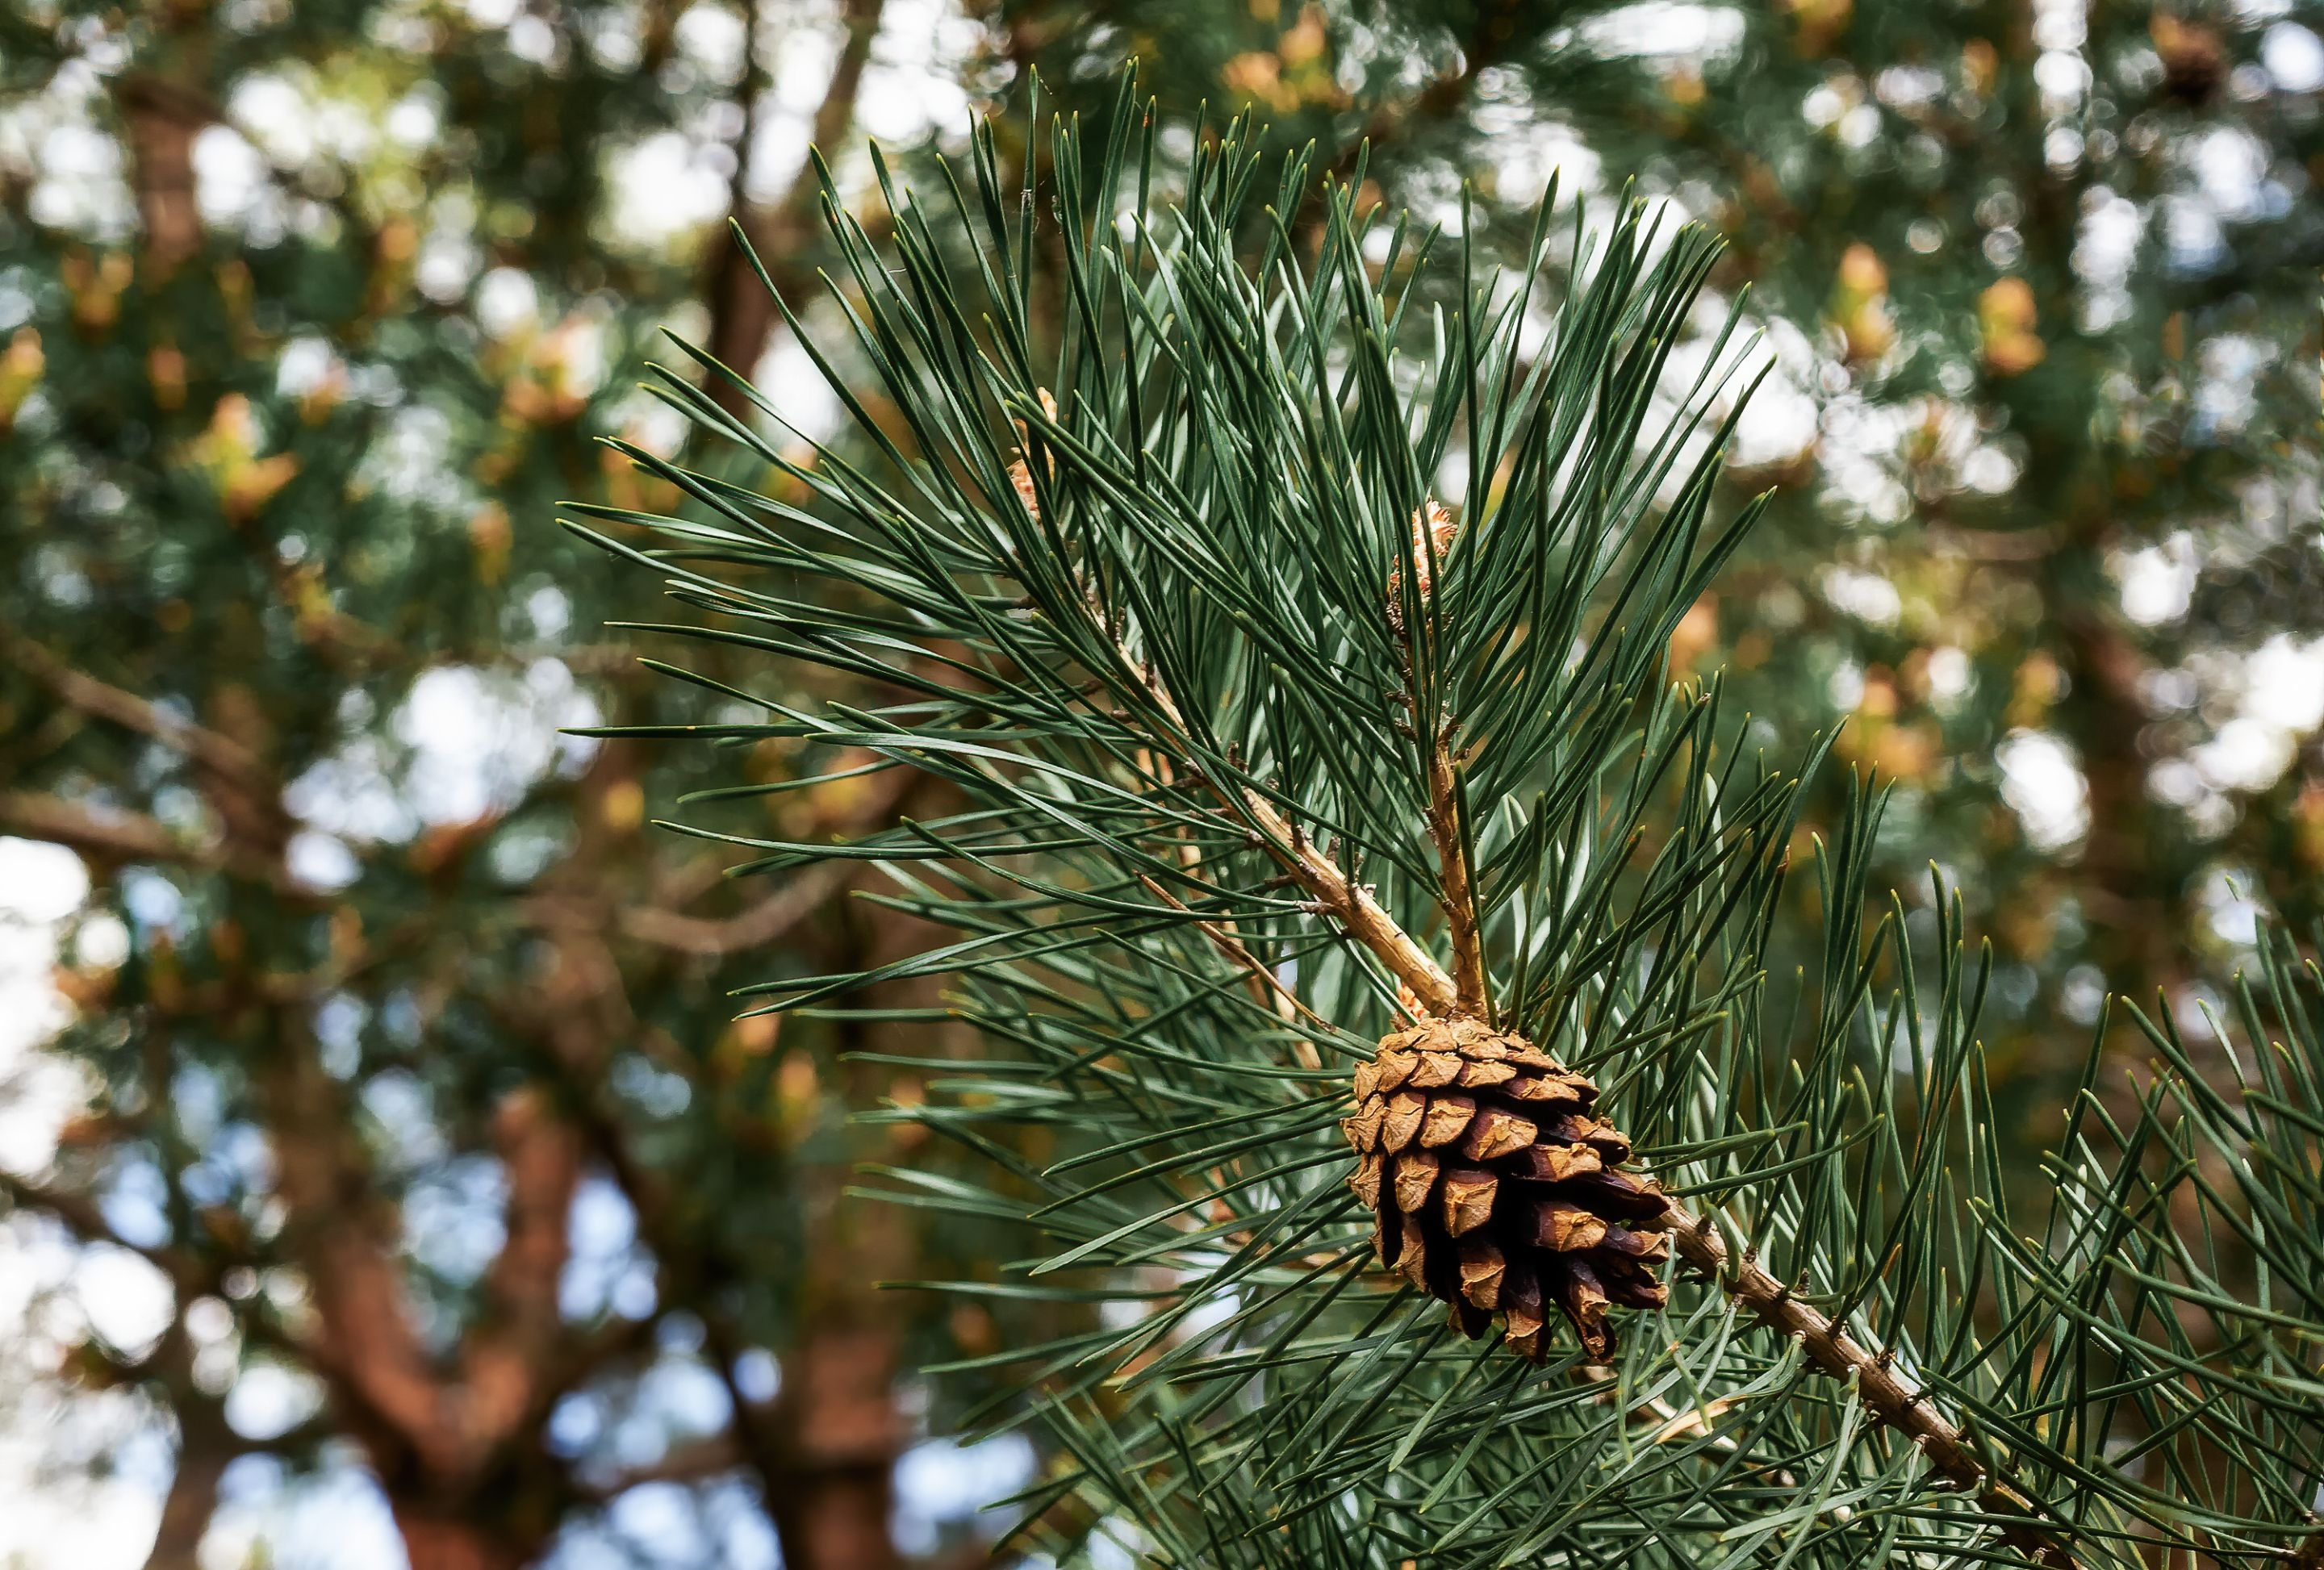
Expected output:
(1894, 1399)
(1350, 905)
(1459, 893)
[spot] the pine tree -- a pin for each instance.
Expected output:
(1288, 626)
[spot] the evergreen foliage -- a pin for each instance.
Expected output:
(1288, 617)
(309, 312)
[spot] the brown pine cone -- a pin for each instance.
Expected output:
(1497, 1191)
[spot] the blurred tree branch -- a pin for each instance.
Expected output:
(219, 754)
(83, 1218)
(112, 836)
(785, 234)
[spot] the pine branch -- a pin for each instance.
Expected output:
(113, 836)
(1225, 799)
(209, 750)
(80, 1215)
(764, 924)
(238, 783)
(1446, 827)
(1358, 912)
(1872, 1380)
(742, 315)
(1354, 906)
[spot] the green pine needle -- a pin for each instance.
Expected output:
(1121, 553)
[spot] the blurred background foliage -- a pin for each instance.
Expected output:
(384, 1179)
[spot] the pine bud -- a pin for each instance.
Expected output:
(1432, 527)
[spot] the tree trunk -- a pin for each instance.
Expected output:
(438, 1542)
(163, 120)
(742, 312)
(841, 1429)
(186, 1510)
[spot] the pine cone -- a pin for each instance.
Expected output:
(1497, 1191)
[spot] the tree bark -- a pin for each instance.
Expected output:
(445, 1542)
(838, 1422)
(742, 312)
(164, 120)
(187, 1509)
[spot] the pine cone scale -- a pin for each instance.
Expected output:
(1449, 1117)
(1416, 1180)
(1436, 1070)
(1481, 1270)
(1405, 1111)
(1468, 1195)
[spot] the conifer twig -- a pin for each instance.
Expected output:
(1265, 986)
(1894, 1399)
(1351, 904)
(1459, 900)
(1235, 432)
